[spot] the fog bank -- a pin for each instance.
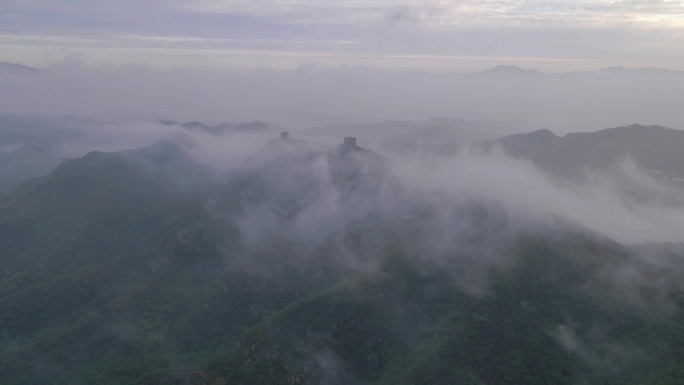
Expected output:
(314, 95)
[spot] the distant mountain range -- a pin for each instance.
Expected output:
(655, 148)
(13, 68)
(501, 71)
(31, 146)
(226, 128)
(513, 71)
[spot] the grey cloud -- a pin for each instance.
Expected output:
(402, 14)
(537, 29)
(322, 95)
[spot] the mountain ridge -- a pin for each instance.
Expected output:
(311, 264)
(653, 147)
(14, 68)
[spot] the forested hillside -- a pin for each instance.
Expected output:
(309, 264)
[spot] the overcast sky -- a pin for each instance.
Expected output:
(430, 34)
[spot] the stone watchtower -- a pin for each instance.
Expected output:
(350, 141)
(285, 135)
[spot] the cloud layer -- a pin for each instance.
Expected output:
(578, 34)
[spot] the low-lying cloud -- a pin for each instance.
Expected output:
(316, 95)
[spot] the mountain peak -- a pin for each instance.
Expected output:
(643, 126)
(14, 68)
(540, 136)
(614, 69)
(224, 128)
(511, 70)
(544, 132)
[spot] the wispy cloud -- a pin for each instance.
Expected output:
(464, 12)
